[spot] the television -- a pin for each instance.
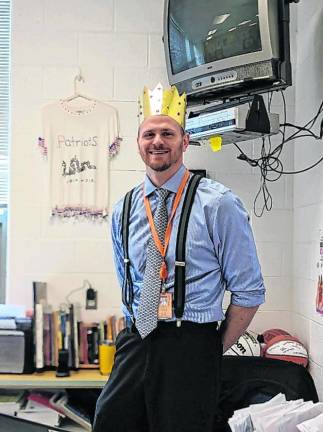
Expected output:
(227, 49)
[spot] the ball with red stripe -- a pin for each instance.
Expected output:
(288, 348)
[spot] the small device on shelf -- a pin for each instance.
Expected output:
(62, 369)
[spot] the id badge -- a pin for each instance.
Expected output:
(165, 305)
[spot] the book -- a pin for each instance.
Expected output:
(39, 413)
(45, 398)
(39, 328)
(72, 411)
(95, 344)
(112, 328)
(52, 340)
(47, 336)
(91, 338)
(74, 342)
(39, 293)
(89, 345)
(57, 337)
(83, 345)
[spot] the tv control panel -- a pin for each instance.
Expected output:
(222, 78)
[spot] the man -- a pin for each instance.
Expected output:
(166, 372)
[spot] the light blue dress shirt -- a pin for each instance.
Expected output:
(220, 248)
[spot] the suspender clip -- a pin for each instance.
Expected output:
(178, 323)
(126, 260)
(180, 263)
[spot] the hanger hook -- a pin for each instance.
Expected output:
(78, 78)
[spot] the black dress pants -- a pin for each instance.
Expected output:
(168, 382)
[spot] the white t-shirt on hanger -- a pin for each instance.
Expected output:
(78, 139)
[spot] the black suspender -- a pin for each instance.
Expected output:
(179, 283)
(127, 288)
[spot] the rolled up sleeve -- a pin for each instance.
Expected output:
(237, 253)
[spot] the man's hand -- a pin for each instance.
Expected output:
(237, 320)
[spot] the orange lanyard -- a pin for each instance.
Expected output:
(163, 248)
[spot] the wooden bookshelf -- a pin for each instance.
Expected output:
(86, 378)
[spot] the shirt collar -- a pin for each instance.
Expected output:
(171, 185)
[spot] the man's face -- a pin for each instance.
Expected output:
(161, 143)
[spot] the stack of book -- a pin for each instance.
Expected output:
(51, 409)
(39, 413)
(63, 329)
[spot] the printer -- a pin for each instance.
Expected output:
(16, 345)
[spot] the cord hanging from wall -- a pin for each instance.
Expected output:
(270, 164)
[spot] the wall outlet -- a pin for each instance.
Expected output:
(91, 299)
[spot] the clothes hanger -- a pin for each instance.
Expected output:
(76, 94)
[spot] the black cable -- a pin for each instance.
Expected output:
(269, 161)
(294, 137)
(300, 128)
(303, 170)
(285, 114)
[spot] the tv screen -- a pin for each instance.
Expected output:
(204, 31)
(222, 49)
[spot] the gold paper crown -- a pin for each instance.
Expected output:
(163, 102)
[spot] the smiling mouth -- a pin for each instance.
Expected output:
(158, 152)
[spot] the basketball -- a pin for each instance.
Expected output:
(246, 345)
(288, 348)
(271, 333)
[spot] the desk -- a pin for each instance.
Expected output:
(85, 378)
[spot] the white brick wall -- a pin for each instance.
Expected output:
(308, 195)
(118, 46)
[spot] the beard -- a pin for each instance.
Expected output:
(160, 165)
(160, 168)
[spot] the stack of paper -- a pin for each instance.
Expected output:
(8, 324)
(278, 415)
(12, 311)
(11, 401)
(242, 421)
(313, 425)
(269, 420)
